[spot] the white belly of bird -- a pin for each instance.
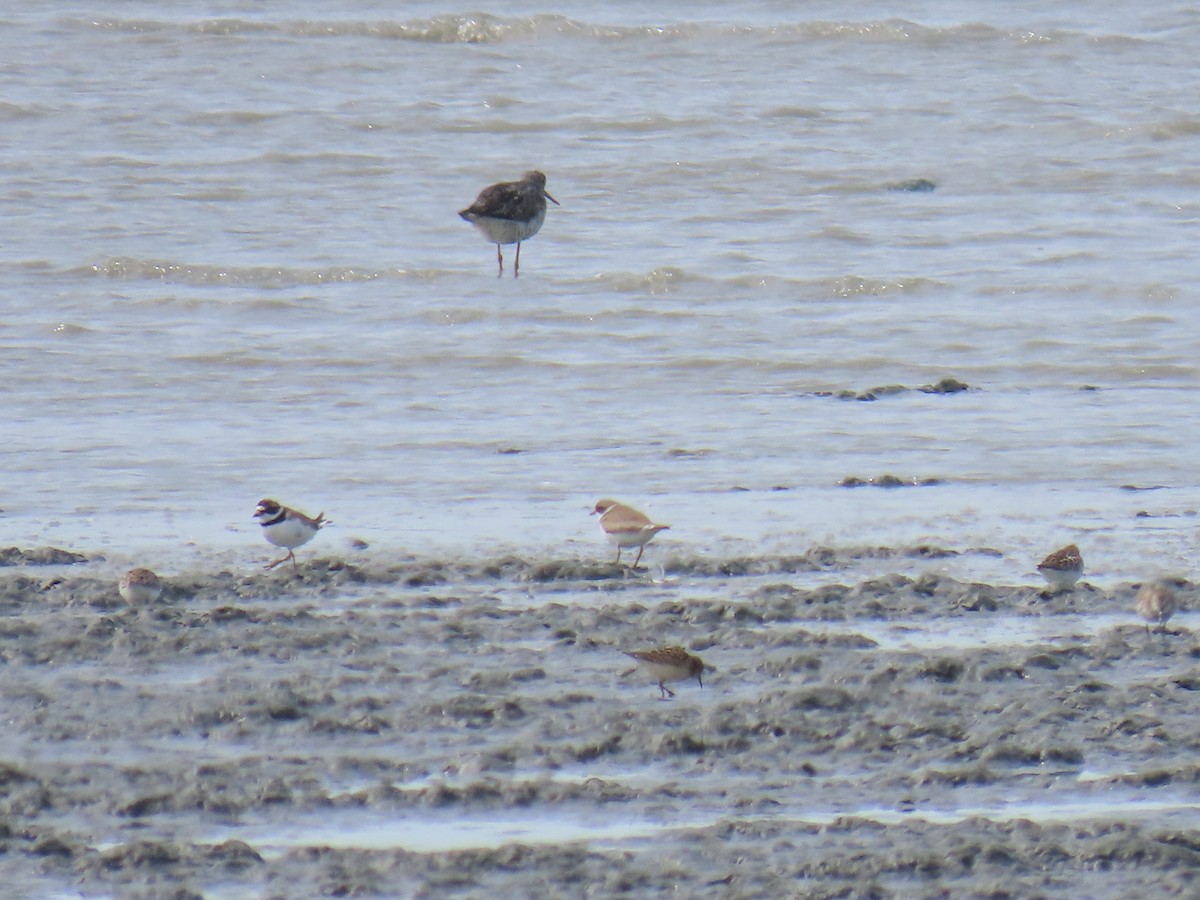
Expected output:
(509, 231)
(660, 672)
(140, 594)
(626, 539)
(289, 533)
(1061, 578)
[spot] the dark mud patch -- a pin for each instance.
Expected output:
(944, 386)
(888, 481)
(361, 731)
(39, 556)
(913, 186)
(329, 577)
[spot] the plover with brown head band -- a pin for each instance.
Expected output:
(510, 212)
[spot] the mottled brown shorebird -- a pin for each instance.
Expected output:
(1156, 603)
(1062, 568)
(510, 212)
(139, 587)
(626, 527)
(667, 664)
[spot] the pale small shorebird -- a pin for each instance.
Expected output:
(626, 527)
(1062, 568)
(510, 212)
(1156, 603)
(667, 664)
(139, 587)
(286, 528)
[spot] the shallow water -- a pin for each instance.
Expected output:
(423, 835)
(234, 270)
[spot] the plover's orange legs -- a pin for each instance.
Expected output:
(291, 555)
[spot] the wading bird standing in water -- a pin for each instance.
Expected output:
(510, 212)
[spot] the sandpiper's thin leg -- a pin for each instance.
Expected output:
(639, 556)
(666, 691)
(517, 264)
(618, 554)
(499, 261)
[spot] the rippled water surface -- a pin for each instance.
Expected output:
(233, 268)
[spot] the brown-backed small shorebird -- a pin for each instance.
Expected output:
(1062, 568)
(626, 527)
(1156, 603)
(667, 664)
(510, 212)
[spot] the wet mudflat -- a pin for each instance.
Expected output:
(459, 728)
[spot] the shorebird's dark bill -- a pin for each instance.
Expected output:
(551, 199)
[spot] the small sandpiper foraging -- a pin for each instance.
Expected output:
(139, 587)
(286, 528)
(1062, 568)
(510, 212)
(626, 527)
(665, 664)
(1156, 602)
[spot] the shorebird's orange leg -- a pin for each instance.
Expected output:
(291, 555)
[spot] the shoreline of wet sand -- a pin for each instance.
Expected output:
(458, 727)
